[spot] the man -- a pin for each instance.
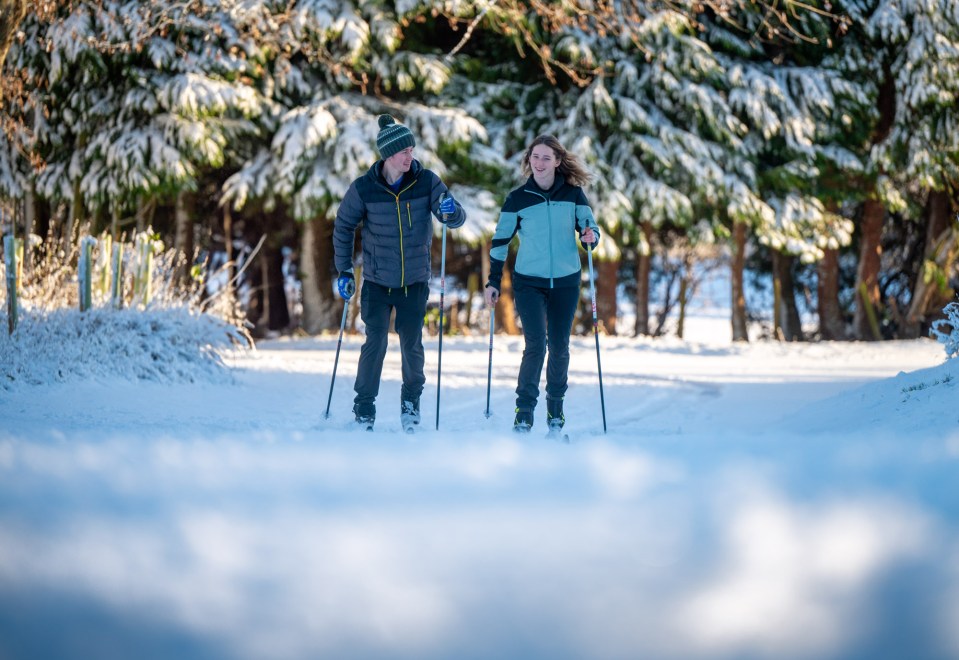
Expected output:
(395, 202)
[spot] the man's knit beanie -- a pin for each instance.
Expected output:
(392, 138)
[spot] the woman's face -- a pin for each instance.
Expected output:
(543, 162)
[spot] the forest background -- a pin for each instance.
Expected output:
(811, 148)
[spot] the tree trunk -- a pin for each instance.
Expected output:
(866, 317)
(183, 242)
(321, 308)
(231, 269)
(484, 272)
(31, 216)
(777, 299)
(607, 277)
(256, 311)
(684, 292)
(275, 315)
(115, 222)
(473, 287)
(832, 327)
(268, 310)
(74, 217)
(145, 214)
(786, 315)
(40, 221)
(100, 220)
(932, 291)
(506, 306)
(643, 266)
(279, 303)
(738, 267)
(449, 315)
(865, 323)
(29, 212)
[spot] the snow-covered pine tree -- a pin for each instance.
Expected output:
(670, 147)
(922, 151)
(334, 67)
(670, 107)
(650, 106)
(519, 67)
(635, 122)
(794, 108)
(132, 101)
(652, 115)
(906, 56)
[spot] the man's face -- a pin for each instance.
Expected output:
(401, 161)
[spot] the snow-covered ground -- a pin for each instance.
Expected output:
(748, 501)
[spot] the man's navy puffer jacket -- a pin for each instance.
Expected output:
(397, 228)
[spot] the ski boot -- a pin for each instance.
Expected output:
(523, 421)
(555, 419)
(554, 413)
(365, 415)
(410, 415)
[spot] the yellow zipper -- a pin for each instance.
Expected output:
(399, 222)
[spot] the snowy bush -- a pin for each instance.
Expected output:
(946, 330)
(173, 344)
(180, 332)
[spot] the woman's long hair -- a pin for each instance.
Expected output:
(569, 165)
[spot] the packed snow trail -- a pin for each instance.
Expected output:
(761, 500)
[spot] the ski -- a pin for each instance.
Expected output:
(558, 434)
(409, 422)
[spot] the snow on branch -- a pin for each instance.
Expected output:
(946, 331)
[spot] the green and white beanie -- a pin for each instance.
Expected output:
(392, 138)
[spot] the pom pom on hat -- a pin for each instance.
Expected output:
(392, 138)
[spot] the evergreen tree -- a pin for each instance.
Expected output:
(761, 122)
(904, 54)
(795, 109)
(121, 112)
(332, 68)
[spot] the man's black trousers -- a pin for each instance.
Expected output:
(376, 304)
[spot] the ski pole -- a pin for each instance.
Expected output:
(489, 370)
(346, 307)
(439, 362)
(599, 366)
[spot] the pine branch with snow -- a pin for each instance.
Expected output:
(946, 331)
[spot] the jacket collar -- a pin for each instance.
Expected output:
(533, 187)
(376, 172)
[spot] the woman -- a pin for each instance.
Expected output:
(547, 212)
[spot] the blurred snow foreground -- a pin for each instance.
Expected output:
(163, 495)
